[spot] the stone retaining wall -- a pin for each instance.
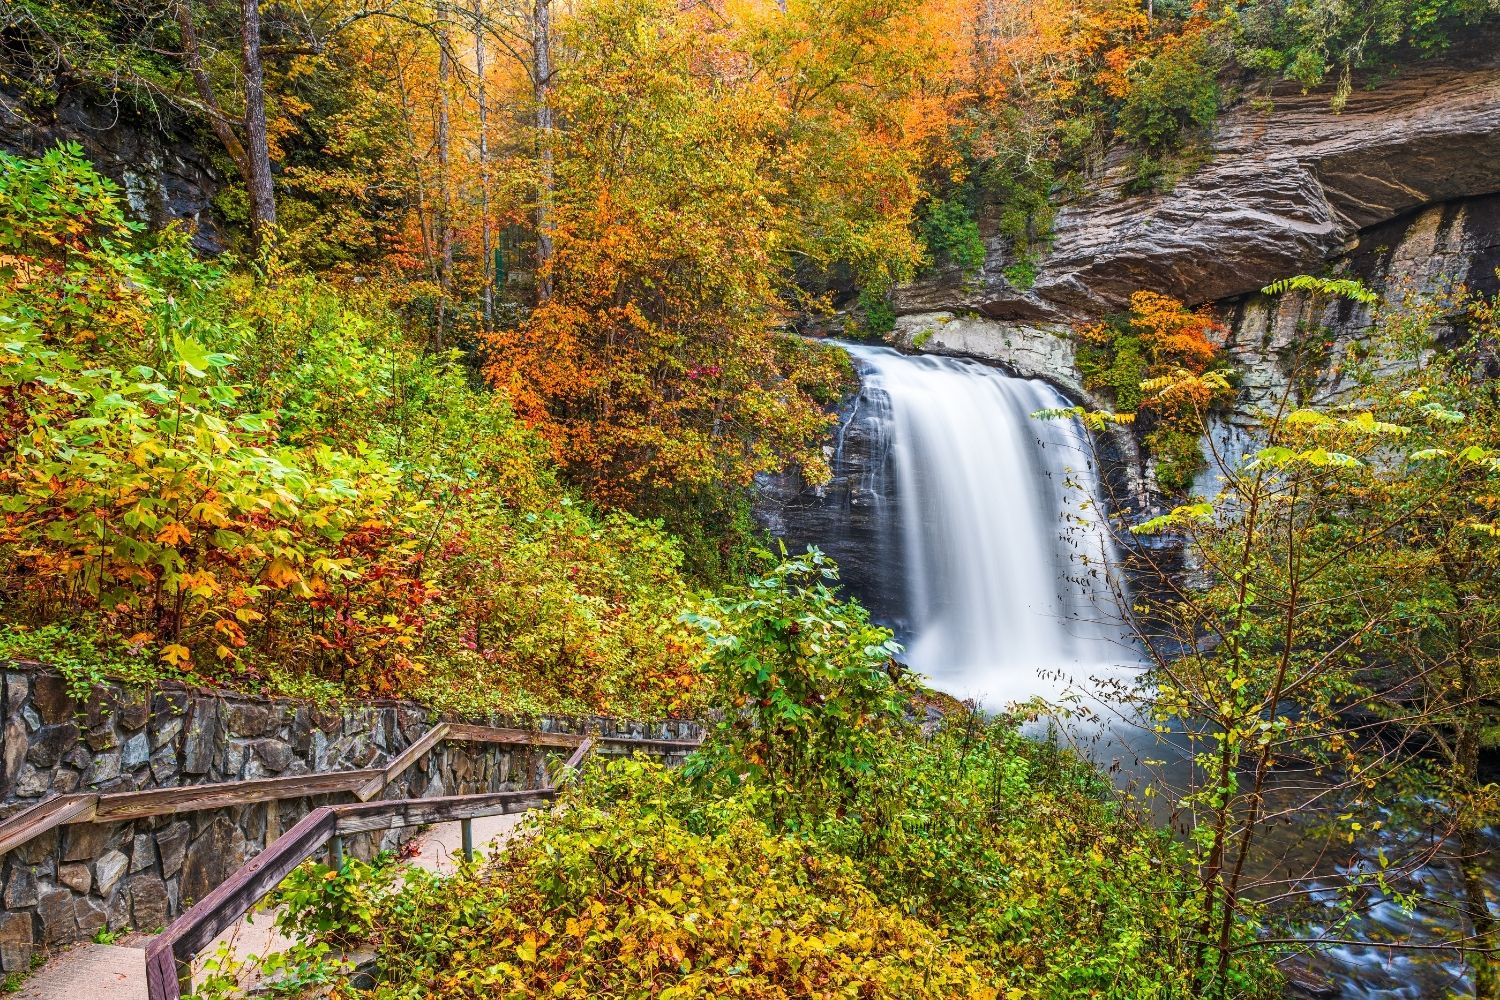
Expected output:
(71, 882)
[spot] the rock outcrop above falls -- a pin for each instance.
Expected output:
(1289, 186)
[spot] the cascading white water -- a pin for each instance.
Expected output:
(1006, 593)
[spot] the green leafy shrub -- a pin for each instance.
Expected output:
(614, 896)
(1024, 854)
(876, 317)
(1021, 186)
(1022, 273)
(333, 906)
(1178, 455)
(76, 654)
(1159, 362)
(1170, 92)
(1115, 364)
(811, 684)
(975, 863)
(1313, 40)
(951, 233)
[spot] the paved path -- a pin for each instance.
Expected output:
(118, 972)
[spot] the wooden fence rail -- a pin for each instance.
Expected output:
(170, 954)
(364, 784)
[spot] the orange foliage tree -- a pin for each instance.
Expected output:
(1160, 362)
(707, 154)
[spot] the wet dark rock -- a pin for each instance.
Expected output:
(151, 154)
(838, 516)
(50, 743)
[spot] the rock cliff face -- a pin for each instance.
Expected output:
(1401, 189)
(1289, 185)
(1425, 252)
(166, 176)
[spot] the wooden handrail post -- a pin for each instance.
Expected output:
(466, 828)
(336, 852)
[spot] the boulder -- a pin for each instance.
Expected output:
(50, 698)
(136, 752)
(142, 852)
(50, 743)
(210, 858)
(20, 888)
(171, 845)
(148, 902)
(85, 841)
(76, 877)
(109, 869)
(15, 942)
(57, 915)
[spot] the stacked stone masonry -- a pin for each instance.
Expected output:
(73, 881)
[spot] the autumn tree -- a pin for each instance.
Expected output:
(704, 157)
(1331, 657)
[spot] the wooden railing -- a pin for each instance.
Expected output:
(170, 954)
(364, 784)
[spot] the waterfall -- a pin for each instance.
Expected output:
(991, 519)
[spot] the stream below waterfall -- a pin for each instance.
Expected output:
(973, 531)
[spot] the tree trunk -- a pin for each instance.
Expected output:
(1483, 927)
(542, 82)
(1482, 923)
(445, 179)
(482, 98)
(192, 59)
(257, 143)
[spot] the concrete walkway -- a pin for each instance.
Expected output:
(118, 972)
